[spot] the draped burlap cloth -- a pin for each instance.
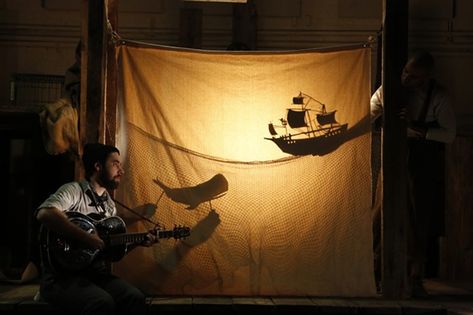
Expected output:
(263, 222)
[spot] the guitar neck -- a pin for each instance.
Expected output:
(136, 238)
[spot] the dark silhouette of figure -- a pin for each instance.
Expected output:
(431, 124)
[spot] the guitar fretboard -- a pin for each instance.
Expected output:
(126, 238)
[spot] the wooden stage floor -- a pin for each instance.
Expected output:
(444, 298)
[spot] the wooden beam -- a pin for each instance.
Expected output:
(111, 77)
(394, 217)
(92, 71)
(190, 27)
(245, 26)
(98, 110)
(98, 100)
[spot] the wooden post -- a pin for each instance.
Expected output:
(92, 71)
(245, 25)
(190, 26)
(98, 95)
(111, 77)
(394, 216)
(98, 73)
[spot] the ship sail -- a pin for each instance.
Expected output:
(298, 100)
(327, 118)
(272, 131)
(323, 133)
(296, 119)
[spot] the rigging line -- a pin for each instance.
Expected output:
(135, 43)
(310, 97)
(208, 157)
(160, 196)
(135, 213)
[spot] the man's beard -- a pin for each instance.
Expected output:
(108, 183)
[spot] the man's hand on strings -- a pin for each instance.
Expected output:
(150, 239)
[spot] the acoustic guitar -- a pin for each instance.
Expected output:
(65, 255)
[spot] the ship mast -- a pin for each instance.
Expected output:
(304, 107)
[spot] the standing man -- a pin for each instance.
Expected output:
(431, 123)
(93, 290)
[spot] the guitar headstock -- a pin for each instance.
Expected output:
(177, 232)
(180, 232)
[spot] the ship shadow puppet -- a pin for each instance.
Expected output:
(320, 135)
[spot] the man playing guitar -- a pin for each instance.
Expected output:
(92, 290)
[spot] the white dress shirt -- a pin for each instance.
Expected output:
(439, 110)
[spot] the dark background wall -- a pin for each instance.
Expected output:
(38, 39)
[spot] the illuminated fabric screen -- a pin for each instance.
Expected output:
(263, 221)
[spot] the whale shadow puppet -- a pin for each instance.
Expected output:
(193, 196)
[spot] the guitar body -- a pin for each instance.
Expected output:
(62, 254)
(106, 228)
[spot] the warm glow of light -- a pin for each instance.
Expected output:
(224, 107)
(286, 227)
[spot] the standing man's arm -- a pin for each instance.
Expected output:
(376, 104)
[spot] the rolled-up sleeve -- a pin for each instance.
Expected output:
(65, 198)
(376, 104)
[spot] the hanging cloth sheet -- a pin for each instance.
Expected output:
(263, 222)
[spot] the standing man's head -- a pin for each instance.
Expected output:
(102, 164)
(418, 70)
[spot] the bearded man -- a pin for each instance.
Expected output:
(93, 290)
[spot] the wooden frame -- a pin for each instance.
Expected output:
(98, 72)
(99, 98)
(394, 152)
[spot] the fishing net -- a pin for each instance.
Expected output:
(263, 221)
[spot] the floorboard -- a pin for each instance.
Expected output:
(444, 299)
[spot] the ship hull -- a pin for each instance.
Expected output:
(319, 145)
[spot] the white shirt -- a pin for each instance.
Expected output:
(74, 197)
(439, 110)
